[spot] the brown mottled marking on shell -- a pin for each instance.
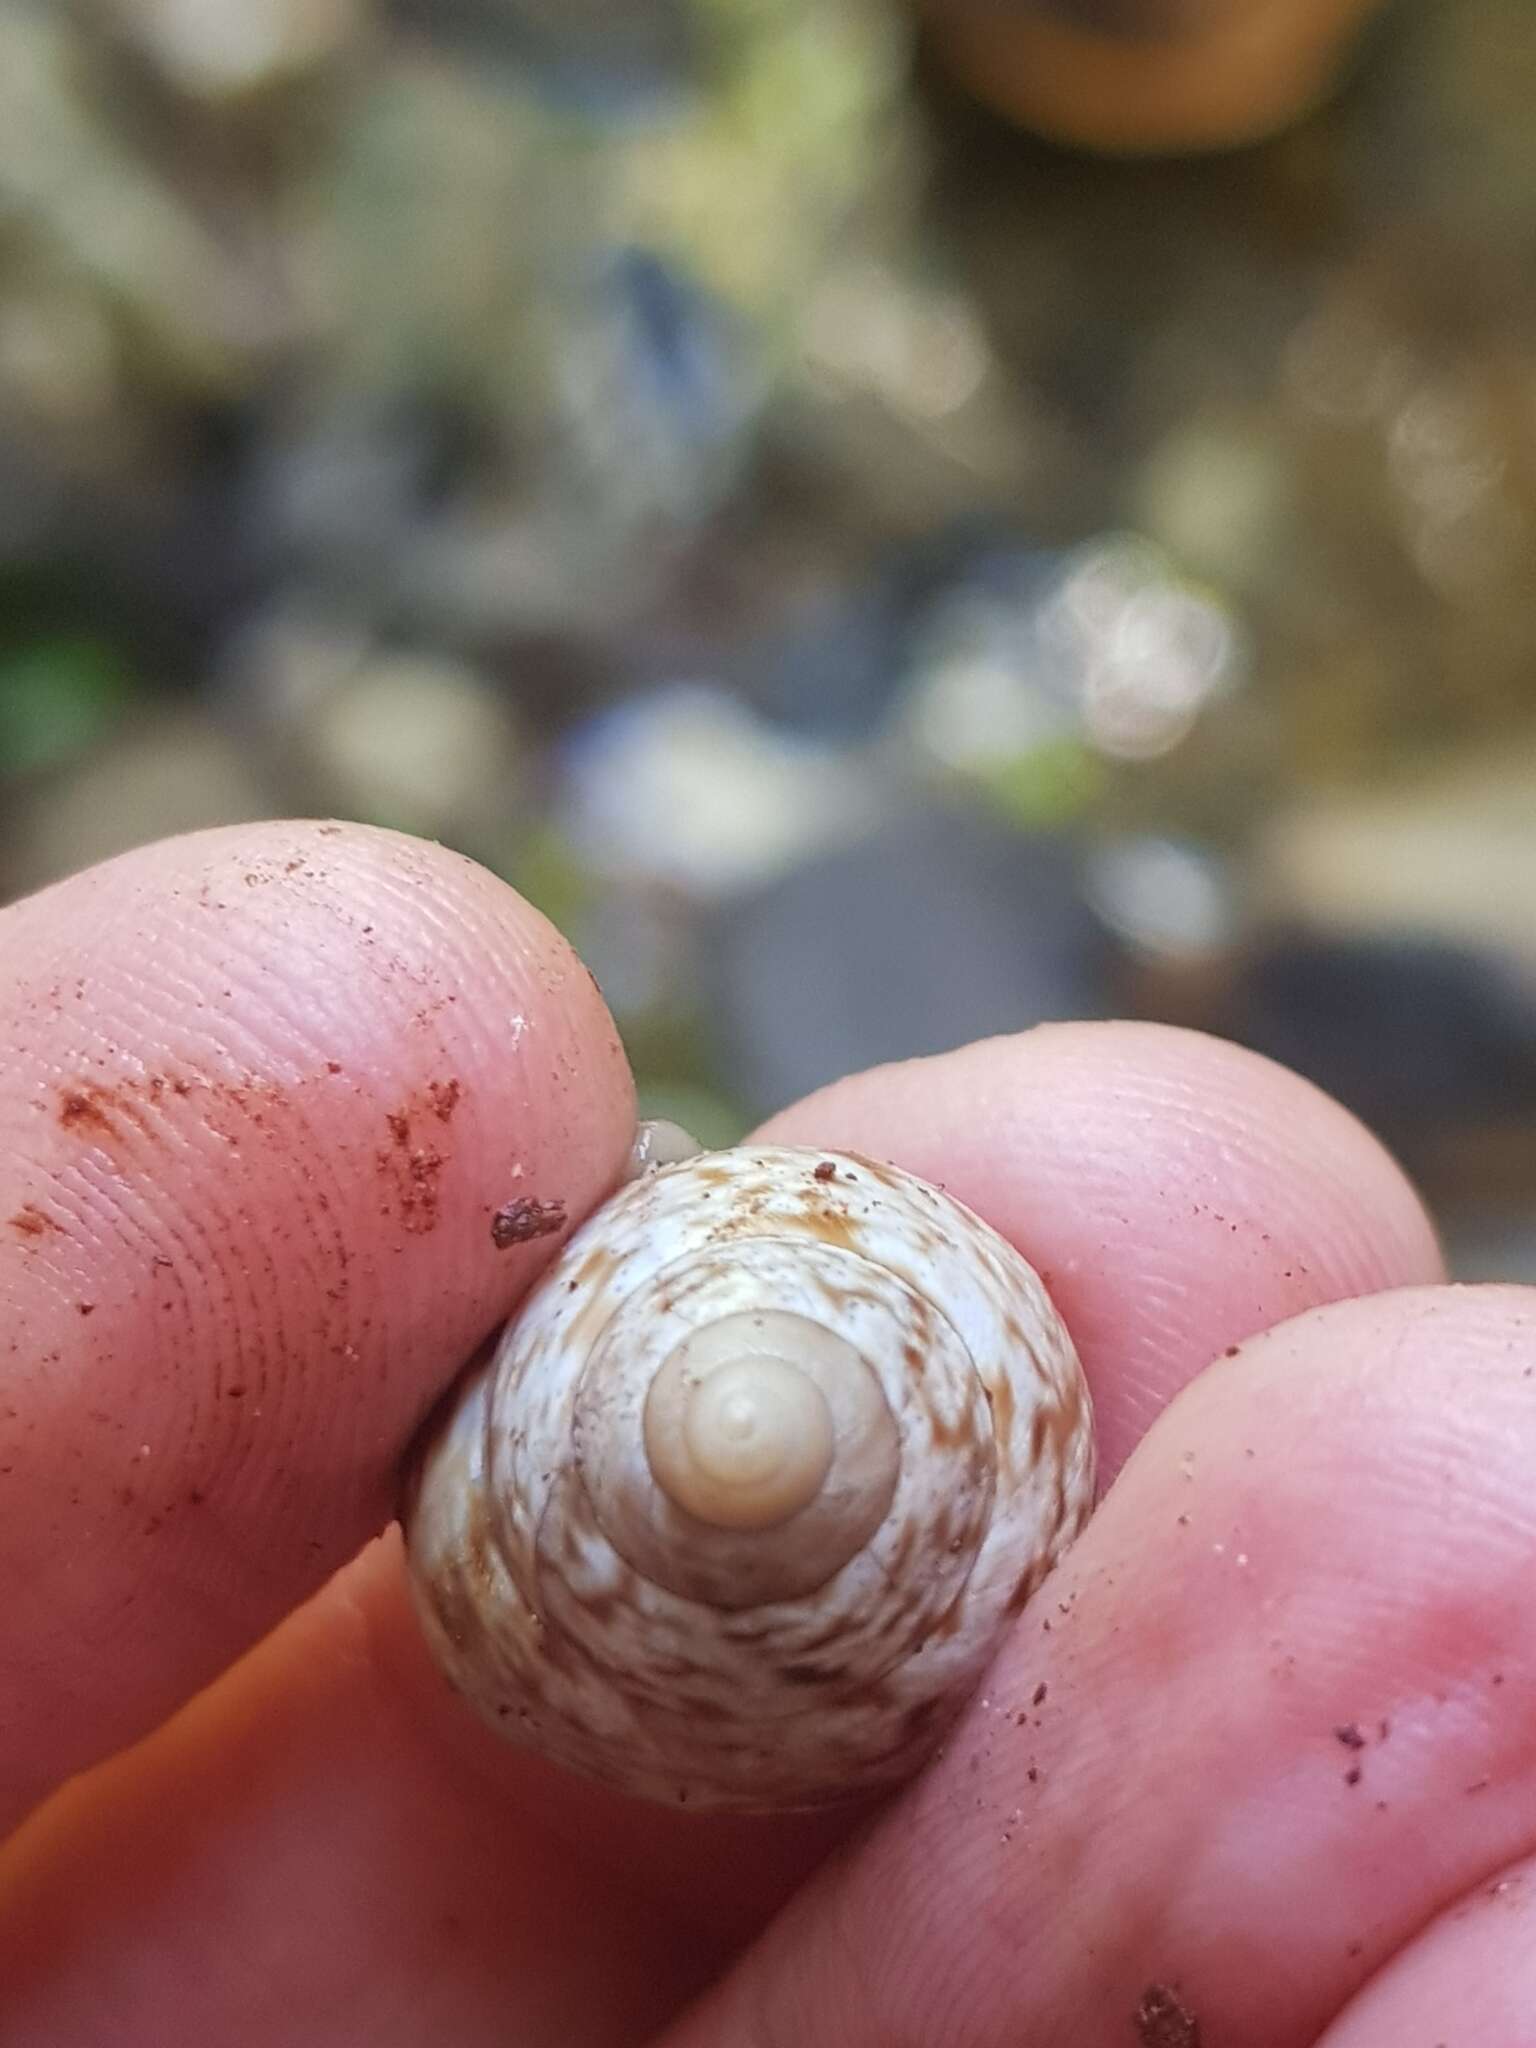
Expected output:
(465, 1605)
(564, 1643)
(593, 1270)
(949, 1624)
(902, 1552)
(830, 1226)
(824, 1638)
(1029, 1584)
(1000, 1398)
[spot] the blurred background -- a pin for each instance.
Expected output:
(873, 577)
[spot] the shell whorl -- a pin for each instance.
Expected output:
(737, 1433)
(739, 1507)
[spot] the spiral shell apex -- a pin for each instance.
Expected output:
(737, 1512)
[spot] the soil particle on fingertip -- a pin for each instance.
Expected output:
(29, 1221)
(522, 1220)
(411, 1170)
(85, 1108)
(1164, 2021)
(444, 1098)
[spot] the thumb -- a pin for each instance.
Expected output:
(261, 1093)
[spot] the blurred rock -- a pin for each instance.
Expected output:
(834, 669)
(416, 741)
(1417, 1036)
(1165, 899)
(172, 772)
(223, 49)
(845, 634)
(390, 735)
(933, 932)
(686, 787)
(1492, 1244)
(284, 665)
(1454, 856)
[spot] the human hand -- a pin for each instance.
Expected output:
(1258, 1749)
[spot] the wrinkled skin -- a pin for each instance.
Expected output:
(1260, 1754)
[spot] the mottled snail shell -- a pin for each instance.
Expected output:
(737, 1512)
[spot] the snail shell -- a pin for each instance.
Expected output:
(738, 1510)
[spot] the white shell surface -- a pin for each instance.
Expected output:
(585, 1615)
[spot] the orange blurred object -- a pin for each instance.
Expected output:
(1149, 77)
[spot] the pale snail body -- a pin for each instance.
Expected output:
(737, 1512)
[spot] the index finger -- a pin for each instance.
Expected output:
(263, 1092)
